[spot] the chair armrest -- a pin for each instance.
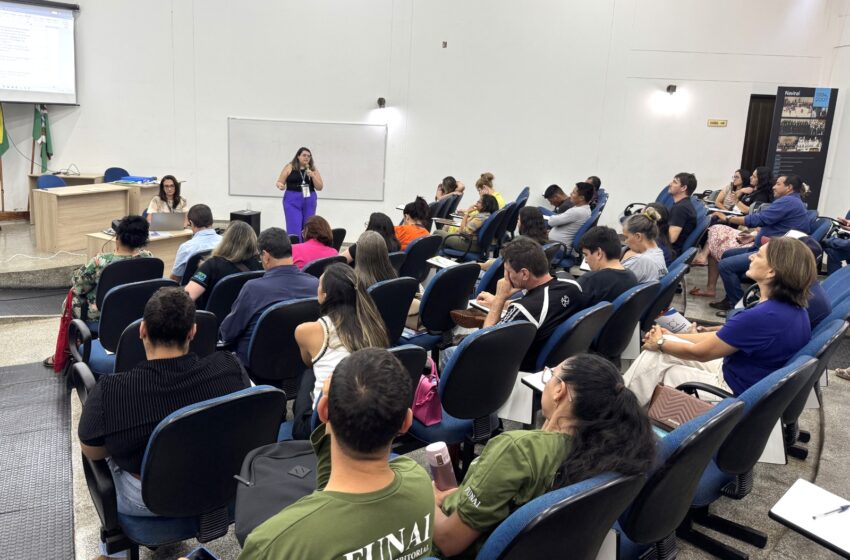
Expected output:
(102, 490)
(79, 334)
(466, 238)
(633, 207)
(692, 387)
(83, 381)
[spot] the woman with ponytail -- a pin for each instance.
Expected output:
(349, 321)
(593, 425)
(644, 257)
(417, 222)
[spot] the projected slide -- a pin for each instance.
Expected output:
(36, 54)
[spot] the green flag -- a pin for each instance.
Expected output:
(4, 138)
(41, 135)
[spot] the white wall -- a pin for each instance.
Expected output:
(538, 92)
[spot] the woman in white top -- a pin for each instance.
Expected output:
(644, 258)
(349, 321)
(168, 199)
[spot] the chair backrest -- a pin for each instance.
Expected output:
(442, 208)
(114, 173)
(131, 350)
(513, 218)
(820, 228)
(225, 292)
(702, 225)
(485, 365)
(454, 204)
(589, 223)
(449, 289)
(554, 251)
(126, 271)
(491, 277)
(413, 359)
(392, 298)
(418, 252)
(628, 309)
(509, 210)
(682, 457)
(664, 297)
(318, 266)
(192, 265)
(575, 518)
(273, 355)
(574, 336)
(664, 197)
(764, 404)
(397, 260)
(433, 207)
(685, 258)
(841, 311)
(822, 347)
(193, 453)
(294, 239)
(837, 281)
(49, 182)
(489, 229)
(124, 304)
(339, 237)
(523, 195)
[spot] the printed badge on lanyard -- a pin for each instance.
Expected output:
(305, 188)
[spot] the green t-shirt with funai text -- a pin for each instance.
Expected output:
(395, 522)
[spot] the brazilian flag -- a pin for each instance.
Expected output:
(4, 137)
(41, 135)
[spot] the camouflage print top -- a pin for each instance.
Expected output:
(85, 281)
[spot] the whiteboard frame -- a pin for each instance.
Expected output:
(272, 195)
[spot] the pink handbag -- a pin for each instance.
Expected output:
(426, 402)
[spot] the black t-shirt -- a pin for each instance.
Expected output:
(683, 215)
(546, 306)
(124, 408)
(296, 177)
(761, 195)
(214, 269)
(605, 285)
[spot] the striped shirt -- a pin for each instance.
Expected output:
(124, 408)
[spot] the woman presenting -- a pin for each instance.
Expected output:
(300, 180)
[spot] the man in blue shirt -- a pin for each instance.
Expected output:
(281, 282)
(204, 238)
(837, 249)
(787, 212)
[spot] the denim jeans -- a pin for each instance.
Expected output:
(128, 492)
(836, 250)
(732, 267)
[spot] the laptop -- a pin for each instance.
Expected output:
(168, 221)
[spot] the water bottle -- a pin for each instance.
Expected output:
(440, 463)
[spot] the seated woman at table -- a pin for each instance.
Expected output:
(470, 224)
(236, 252)
(593, 425)
(130, 236)
(751, 345)
(168, 199)
(382, 224)
(416, 224)
(318, 242)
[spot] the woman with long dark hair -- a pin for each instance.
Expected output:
(417, 222)
(299, 179)
(531, 224)
(382, 224)
(593, 425)
(168, 199)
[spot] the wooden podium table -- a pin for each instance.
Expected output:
(162, 244)
(140, 196)
(64, 215)
(70, 180)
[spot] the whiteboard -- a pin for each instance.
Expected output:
(350, 156)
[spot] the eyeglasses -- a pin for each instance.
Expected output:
(547, 374)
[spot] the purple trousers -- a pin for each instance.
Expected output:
(297, 209)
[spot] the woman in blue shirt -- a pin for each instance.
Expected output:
(751, 345)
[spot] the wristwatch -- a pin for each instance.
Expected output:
(660, 343)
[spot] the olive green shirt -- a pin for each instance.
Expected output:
(514, 468)
(394, 522)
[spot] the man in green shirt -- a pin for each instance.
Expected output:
(365, 507)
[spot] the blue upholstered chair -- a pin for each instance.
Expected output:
(628, 309)
(663, 502)
(393, 298)
(491, 277)
(486, 237)
(664, 296)
(574, 336)
(836, 282)
(575, 518)
(317, 267)
(485, 364)
(573, 255)
(49, 182)
(730, 473)
(417, 254)
(114, 173)
(131, 350)
(663, 197)
(397, 260)
(225, 292)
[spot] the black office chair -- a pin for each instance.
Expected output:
(339, 237)
(513, 217)
(618, 331)
(397, 260)
(664, 296)
(731, 472)
(131, 351)
(225, 292)
(121, 306)
(455, 202)
(418, 252)
(318, 266)
(393, 298)
(273, 355)
(188, 468)
(510, 210)
(192, 265)
(652, 519)
(575, 518)
(124, 272)
(485, 364)
(449, 290)
(413, 358)
(294, 239)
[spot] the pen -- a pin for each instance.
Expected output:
(842, 509)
